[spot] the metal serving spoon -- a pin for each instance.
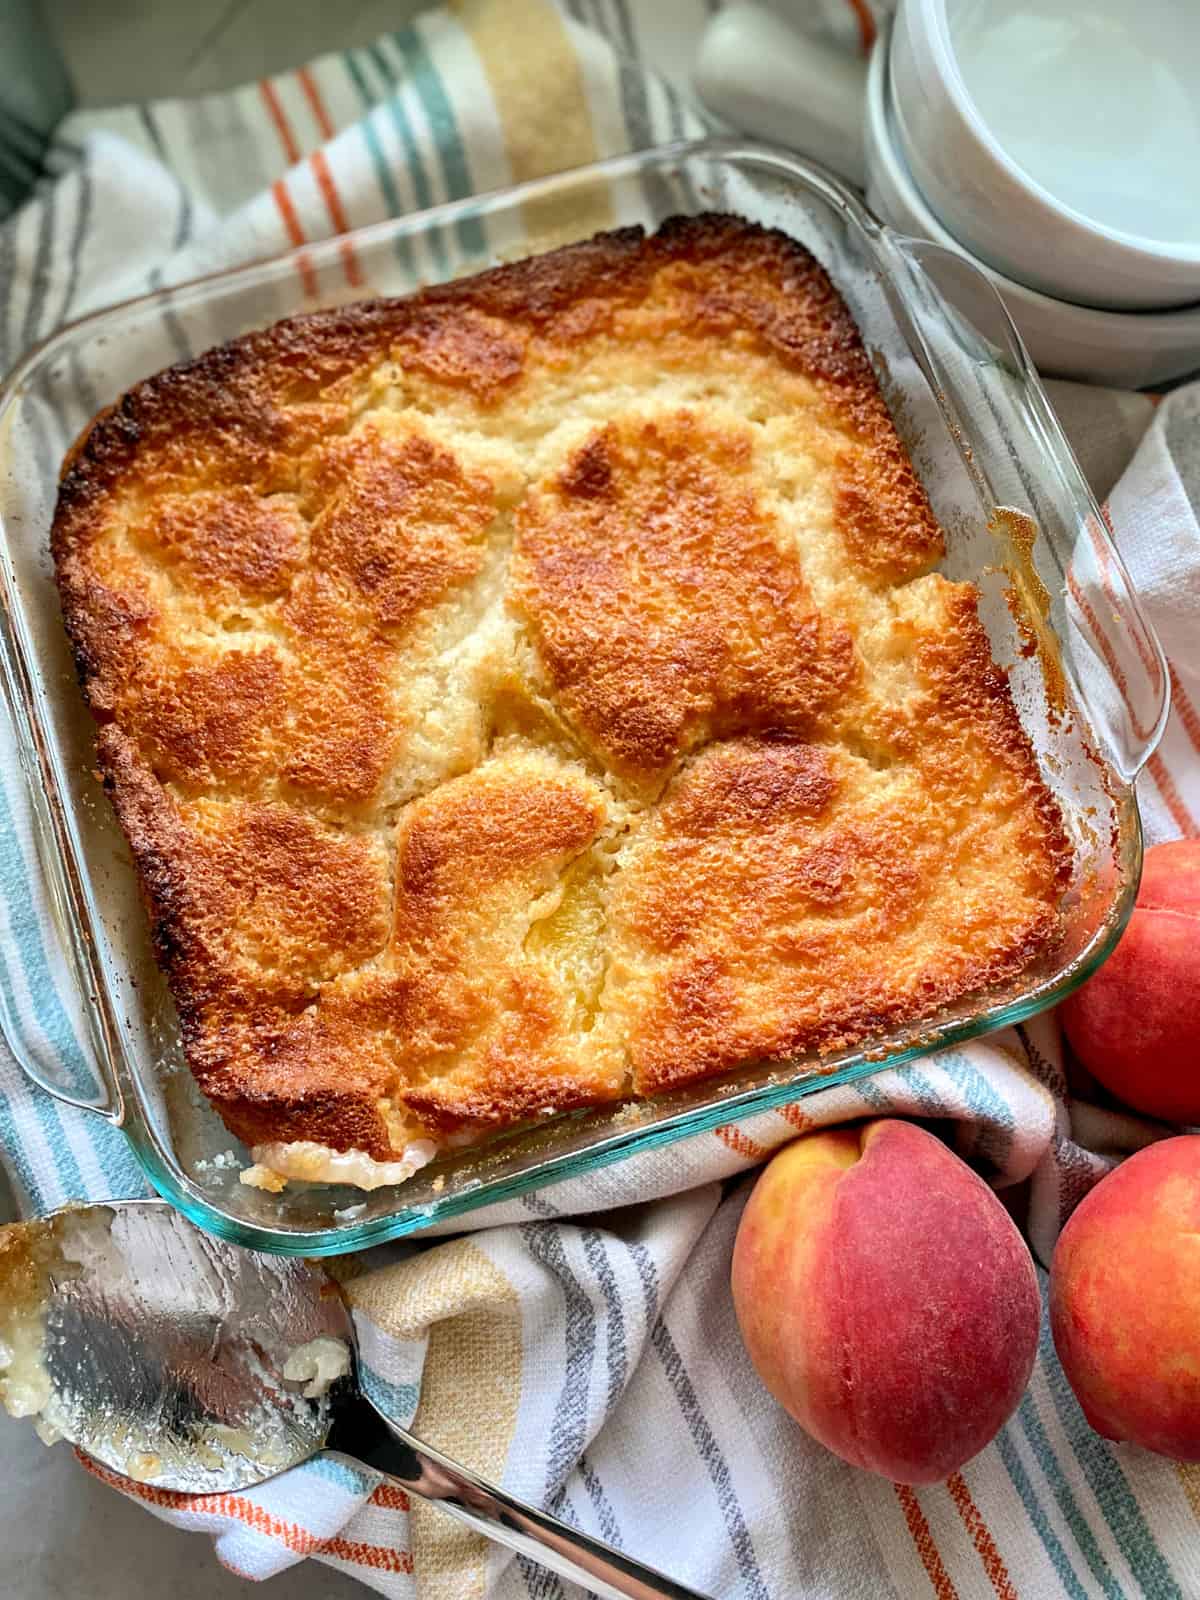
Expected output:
(191, 1364)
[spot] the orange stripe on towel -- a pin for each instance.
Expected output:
(1172, 799)
(741, 1143)
(1106, 650)
(328, 190)
(324, 175)
(333, 205)
(1189, 1477)
(295, 233)
(1104, 556)
(236, 1506)
(922, 1537)
(377, 1556)
(981, 1537)
(282, 127)
(391, 1498)
(798, 1119)
(287, 211)
(866, 24)
(313, 95)
(1184, 709)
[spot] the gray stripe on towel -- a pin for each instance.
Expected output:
(714, 1461)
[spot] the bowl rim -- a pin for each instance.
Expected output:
(936, 35)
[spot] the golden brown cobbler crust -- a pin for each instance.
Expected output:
(537, 691)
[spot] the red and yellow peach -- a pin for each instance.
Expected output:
(1125, 1300)
(1135, 1024)
(886, 1298)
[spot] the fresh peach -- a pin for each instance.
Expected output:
(886, 1298)
(1125, 1300)
(1135, 1024)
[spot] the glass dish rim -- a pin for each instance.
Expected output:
(123, 1108)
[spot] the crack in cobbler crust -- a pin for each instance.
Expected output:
(537, 691)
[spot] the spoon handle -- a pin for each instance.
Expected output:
(364, 1432)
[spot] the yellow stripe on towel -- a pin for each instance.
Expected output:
(541, 101)
(1189, 1477)
(470, 1388)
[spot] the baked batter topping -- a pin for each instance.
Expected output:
(538, 692)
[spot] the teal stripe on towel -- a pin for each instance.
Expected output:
(69, 1179)
(397, 1400)
(997, 1125)
(408, 143)
(913, 1079)
(383, 175)
(358, 1481)
(17, 1160)
(1108, 1483)
(122, 1175)
(456, 166)
(1045, 1457)
(868, 1089)
(370, 137)
(69, 1184)
(1051, 1543)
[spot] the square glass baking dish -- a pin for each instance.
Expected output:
(1086, 671)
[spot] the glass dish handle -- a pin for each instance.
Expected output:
(974, 355)
(104, 1100)
(83, 1080)
(84, 1084)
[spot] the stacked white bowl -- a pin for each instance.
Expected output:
(1055, 143)
(1058, 145)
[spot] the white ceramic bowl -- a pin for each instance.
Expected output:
(992, 206)
(1128, 349)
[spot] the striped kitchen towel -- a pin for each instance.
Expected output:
(579, 1344)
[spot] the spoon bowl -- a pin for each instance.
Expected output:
(179, 1360)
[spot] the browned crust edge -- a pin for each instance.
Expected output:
(239, 402)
